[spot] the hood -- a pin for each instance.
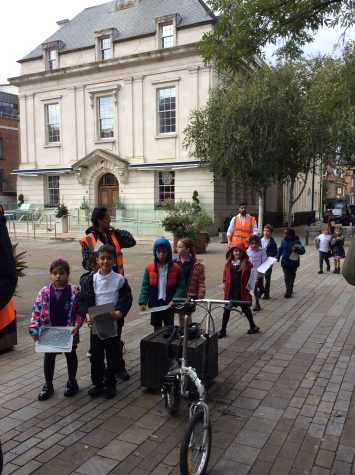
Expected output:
(162, 242)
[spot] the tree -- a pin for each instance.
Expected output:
(275, 125)
(245, 27)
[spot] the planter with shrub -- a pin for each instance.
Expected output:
(63, 216)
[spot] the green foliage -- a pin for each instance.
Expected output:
(245, 27)
(84, 204)
(62, 211)
(276, 124)
(186, 218)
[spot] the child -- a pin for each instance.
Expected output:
(99, 288)
(193, 270)
(162, 282)
(268, 243)
(289, 252)
(57, 304)
(235, 278)
(337, 247)
(323, 244)
(257, 256)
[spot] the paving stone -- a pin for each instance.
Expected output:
(28, 468)
(325, 458)
(345, 454)
(242, 453)
(117, 450)
(97, 466)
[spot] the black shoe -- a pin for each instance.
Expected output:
(71, 389)
(222, 334)
(257, 308)
(266, 297)
(46, 392)
(110, 392)
(123, 375)
(328, 269)
(335, 271)
(287, 295)
(96, 391)
(253, 330)
(320, 272)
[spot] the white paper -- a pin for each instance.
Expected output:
(55, 340)
(265, 266)
(252, 280)
(101, 310)
(156, 309)
(104, 325)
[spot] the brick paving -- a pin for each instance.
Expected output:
(283, 402)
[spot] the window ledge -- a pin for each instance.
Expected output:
(53, 145)
(166, 136)
(98, 141)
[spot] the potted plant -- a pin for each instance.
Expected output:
(84, 209)
(187, 219)
(63, 216)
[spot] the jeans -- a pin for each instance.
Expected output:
(290, 276)
(323, 256)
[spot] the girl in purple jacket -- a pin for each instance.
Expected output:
(57, 304)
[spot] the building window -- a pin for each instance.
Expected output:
(167, 35)
(105, 116)
(52, 59)
(53, 198)
(167, 110)
(105, 47)
(53, 123)
(2, 156)
(166, 186)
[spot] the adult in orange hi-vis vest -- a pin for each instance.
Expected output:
(241, 228)
(8, 281)
(101, 232)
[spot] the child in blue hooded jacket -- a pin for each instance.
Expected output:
(162, 282)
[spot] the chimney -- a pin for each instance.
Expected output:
(62, 22)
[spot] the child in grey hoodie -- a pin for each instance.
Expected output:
(257, 255)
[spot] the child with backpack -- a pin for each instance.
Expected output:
(337, 248)
(257, 255)
(289, 251)
(268, 243)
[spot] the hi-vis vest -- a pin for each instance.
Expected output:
(90, 241)
(242, 232)
(7, 315)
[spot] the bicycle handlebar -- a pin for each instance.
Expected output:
(236, 303)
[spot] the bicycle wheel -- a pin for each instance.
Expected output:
(172, 398)
(196, 446)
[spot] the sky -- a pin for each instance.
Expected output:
(25, 24)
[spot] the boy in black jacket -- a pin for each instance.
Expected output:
(268, 243)
(103, 287)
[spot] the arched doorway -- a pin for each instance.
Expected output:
(108, 193)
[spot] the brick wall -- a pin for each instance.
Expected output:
(9, 153)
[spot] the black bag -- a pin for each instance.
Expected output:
(155, 358)
(349, 264)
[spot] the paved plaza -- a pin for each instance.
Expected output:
(283, 402)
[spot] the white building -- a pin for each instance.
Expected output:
(104, 103)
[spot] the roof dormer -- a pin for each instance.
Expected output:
(104, 43)
(51, 54)
(123, 4)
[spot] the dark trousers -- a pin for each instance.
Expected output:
(101, 349)
(268, 282)
(49, 365)
(290, 276)
(258, 290)
(323, 256)
(120, 363)
(158, 318)
(247, 312)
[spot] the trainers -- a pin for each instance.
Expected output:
(46, 392)
(257, 308)
(71, 389)
(222, 334)
(96, 391)
(110, 392)
(123, 374)
(266, 297)
(287, 295)
(253, 330)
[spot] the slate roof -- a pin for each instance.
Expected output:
(135, 21)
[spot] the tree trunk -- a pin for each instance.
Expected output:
(290, 201)
(260, 211)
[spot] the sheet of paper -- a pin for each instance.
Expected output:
(265, 266)
(55, 340)
(155, 309)
(252, 280)
(101, 310)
